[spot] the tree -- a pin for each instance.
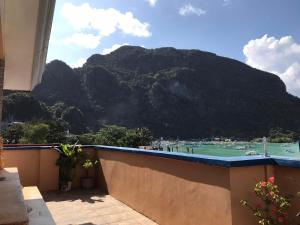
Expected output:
(75, 118)
(110, 135)
(120, 136)
(145, 136)
(86, 139)
(57, 131)
(57, 109)
(137, 137)
(22, 106)
(13, 133)
(35, 134)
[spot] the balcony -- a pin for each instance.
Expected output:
(151, 187)
(91, 207)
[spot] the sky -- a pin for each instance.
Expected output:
(265, 34)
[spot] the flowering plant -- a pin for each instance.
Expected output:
(88, 164)
(271, 208)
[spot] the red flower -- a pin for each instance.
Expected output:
(258, 206)
(272, 180)
(285, 214)
(271, 194)
(274, 211)
(280, 219)
(263, 183)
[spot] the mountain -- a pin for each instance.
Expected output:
(184, 93)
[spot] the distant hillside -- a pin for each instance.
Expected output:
(184, 93)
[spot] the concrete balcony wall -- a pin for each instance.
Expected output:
(168, 188)
(169, 191)
(288, 180)
(242, 183)
(179, 189)
(37, 166)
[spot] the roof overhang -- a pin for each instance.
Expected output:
(26, 26)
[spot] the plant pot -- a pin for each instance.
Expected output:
(66, 186)
(87, 182)
(69, 186)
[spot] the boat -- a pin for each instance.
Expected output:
(241, 147)
(252, 152)
(289, 151)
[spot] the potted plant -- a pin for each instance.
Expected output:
(69, 155)
(88, 182)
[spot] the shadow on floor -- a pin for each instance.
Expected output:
(87, 224)
(90, 196)
(82, 207)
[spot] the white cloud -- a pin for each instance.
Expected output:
(152, 2)
(112, 48)
(84, 40)
(93, 24)
(278, 56)
(189, 9)
(79, 62)
(226, 2)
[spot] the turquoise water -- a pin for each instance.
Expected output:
(231, 148)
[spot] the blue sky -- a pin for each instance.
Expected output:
(262, 33)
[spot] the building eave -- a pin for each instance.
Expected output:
(26, 27)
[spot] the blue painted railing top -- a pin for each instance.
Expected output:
(205, 159)
(37, 147)
(237, 161)
(27, 147)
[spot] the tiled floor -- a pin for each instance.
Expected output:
(91, 208)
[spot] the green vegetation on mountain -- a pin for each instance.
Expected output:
(174, 93)
(277, 135)
(54, 132)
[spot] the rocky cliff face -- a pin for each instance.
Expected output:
(185, 93)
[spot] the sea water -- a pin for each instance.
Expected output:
(231, 148)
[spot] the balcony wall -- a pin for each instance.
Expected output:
(37, 166)
(288, 179)
(169, 188)
(169, 191)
